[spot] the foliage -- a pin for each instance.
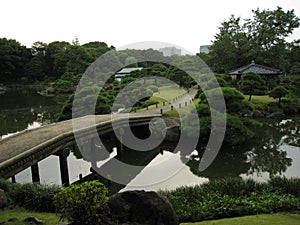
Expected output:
(31, 196)
(250, 82)
(13, 58)
(229, 198)
(278, 92)
(46, 60)
(263, 219)
(234, 100)
(262, 37)
(82, 203)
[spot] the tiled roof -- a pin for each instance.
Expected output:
(129, 70)
(255, 68)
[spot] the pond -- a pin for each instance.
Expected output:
(275, 150)
(23, 108)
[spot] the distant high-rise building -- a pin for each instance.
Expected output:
(168, 51)
(204, 48)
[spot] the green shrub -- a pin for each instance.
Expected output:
(83, 203)
(153, 88)
(150, 102)
(5, 185)
(284, 185)
(230, 197)
(234, 187)
(34, 196)
(31, 196)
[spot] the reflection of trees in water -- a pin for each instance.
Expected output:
(20, 107)
(15, 120)
(265, 155)
(292, 128)
(259, 155)
(228, 163)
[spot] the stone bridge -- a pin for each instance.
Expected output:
(27, 148)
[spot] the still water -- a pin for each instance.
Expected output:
(275, 150)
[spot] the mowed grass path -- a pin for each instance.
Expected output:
(264, 219)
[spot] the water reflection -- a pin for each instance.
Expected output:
(272, 152)
(269, 154)
(22, 108)
(275, 150)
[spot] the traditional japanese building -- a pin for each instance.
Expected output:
(254, 68)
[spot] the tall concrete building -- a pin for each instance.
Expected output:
(204, 48)
(168, 51)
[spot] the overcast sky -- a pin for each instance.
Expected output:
(186, 23)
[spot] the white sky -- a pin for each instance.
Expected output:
(188, 23)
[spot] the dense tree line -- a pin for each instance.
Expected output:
(46, 61)
(261, 38)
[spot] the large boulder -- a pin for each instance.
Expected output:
(141, 207)
(257, 114)
(3, 199)
(276, 115)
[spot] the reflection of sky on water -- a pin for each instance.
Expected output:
(169, 169)
(50, 172)
(30, 126)
(170, 166)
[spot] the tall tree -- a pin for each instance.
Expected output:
(13, 58)
(55, 63)
(36, 68)
(262, 38)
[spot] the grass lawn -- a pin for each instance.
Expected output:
(21, 214)
(261, 100)
(264, 219)
(184, 110)
(169, 92)
(165, 94)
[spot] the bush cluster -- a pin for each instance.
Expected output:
(83, 204)
(31, 196)
(232, 197)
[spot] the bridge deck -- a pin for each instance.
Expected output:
(23, 141)
(29, 147)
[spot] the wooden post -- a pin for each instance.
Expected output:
(35, 173)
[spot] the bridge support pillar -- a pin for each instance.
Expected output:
(93, 152)
(35, 173)
(120, 147)
(63, 163)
